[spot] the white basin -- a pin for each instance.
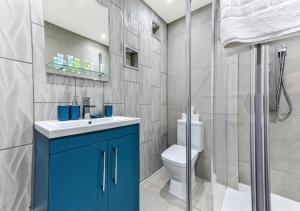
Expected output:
(56, 129)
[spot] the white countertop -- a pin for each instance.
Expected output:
(55, 129)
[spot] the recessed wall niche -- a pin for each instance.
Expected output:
(131, 58)
(155, 29)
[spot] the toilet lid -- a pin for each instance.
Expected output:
(176, 154)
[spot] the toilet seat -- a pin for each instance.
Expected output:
(176, 155)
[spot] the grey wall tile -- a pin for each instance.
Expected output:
(132, 99)
(144, 46)
(155, 69)
(15, 26)
(131, 40)
(155, 45)
(145, 167)
(203, 166)
(106, 3)
(119, 3)
(146, 125)
(131, 16)
(155, 138)
(118, 109)
(164, 57)
(244, 173)
(116, 38)
(93, 89)
(164, 119)
(144, 17)
(131, 75)
(155, 104)
(163, 88)
(145, 85)
(16, 109)
(114, 89)
(15, 174)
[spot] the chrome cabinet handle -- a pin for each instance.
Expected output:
(104, 171)
(116, 166)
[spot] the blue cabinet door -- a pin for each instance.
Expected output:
(78, 179)
(123, 174)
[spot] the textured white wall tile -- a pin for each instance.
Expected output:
(45, 111)
(15, 27)
(15, 182)
(16, 109)
(37, 12)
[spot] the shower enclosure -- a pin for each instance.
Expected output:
(247, 99)
(256, 150)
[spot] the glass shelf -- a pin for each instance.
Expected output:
(59, 69)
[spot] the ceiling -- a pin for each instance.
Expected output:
(87, 18)
(171, 10)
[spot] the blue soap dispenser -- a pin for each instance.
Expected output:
(74, 109)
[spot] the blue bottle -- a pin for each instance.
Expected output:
(63, 113)
(74, 109)
(108, 110)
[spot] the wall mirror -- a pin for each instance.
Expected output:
(77, 38)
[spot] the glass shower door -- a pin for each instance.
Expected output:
(231, 164)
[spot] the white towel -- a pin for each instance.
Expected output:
(255, 21)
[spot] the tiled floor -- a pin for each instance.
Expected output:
(156, 197)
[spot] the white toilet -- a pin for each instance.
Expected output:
(174, 158)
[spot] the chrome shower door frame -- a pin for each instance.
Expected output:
(259, 141)
(189, 206)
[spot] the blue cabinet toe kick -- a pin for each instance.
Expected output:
(88, 172)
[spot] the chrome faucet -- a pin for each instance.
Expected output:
(87, 106)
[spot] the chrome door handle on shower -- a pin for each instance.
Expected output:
(116, 165)
(104, 171)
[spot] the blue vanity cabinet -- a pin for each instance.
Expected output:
(97, 171)
(123, 190)
(77, 179)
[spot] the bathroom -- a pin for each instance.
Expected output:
(109, 75)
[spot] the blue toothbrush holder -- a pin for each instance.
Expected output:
(74, 112)
(63, 113)
(108, 110)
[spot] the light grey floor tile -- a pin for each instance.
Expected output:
(202, 191)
